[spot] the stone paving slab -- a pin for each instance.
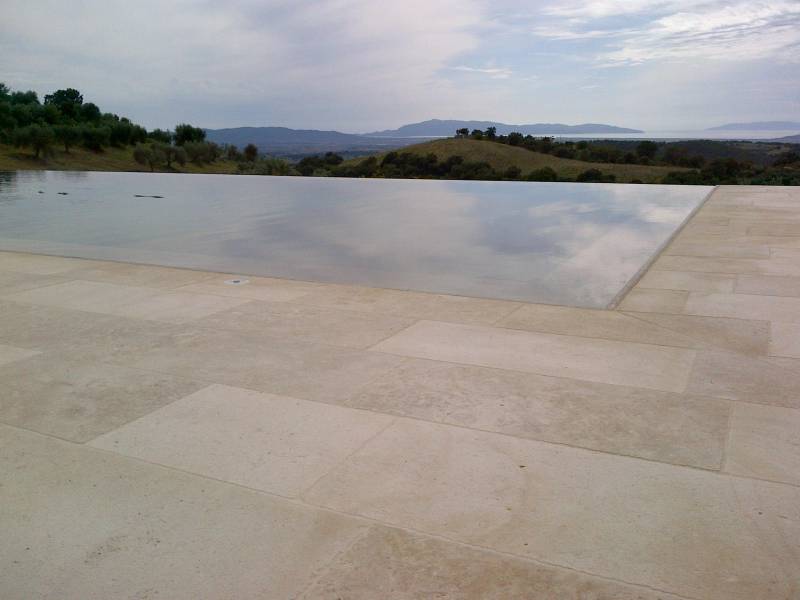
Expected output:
(431, 445)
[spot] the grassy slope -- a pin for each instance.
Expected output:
(501, 157)
(111, 159)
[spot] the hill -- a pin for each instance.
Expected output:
(789, 139)
(110, 159)
(758, 126)
(446, 128)
(501, 157)
(283, 141)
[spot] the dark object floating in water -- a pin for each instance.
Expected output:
(62, 193)
(41, 192)
(145, 196)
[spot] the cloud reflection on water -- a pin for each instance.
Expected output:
(558, 243)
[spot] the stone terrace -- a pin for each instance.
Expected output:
(164, 434)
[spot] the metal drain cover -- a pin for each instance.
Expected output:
(237, 281)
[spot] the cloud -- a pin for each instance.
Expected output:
(639, 31)
(325, 57)
(494, 73)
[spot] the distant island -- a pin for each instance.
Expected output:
(446, 127)
(287, 142)
(758, 126)
(789, 139)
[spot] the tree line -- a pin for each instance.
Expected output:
(64, 120)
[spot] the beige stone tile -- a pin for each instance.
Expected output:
(80, 523)
(36, 264)
(624, 363)
(294, 321)
(176, 307)
(738, 335)
(253, 288)
(272, 443)
(685, 531)
(415, 305)
(139, 275)
(764, 443)
(745, 306)
(274, 365)
(77, 334)
(10, 354)
(687, 281)
(768, 285)
(740, 377)
(78, 401)
(710, 265)
(12, 281)
(391, 563)
(83, 295)
(642, 299)
(718, 250)
(662, 426)
(784, 340)
(790, 229)
(606, 324)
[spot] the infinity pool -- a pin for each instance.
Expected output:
(560, 243)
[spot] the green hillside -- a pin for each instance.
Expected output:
(108, 159)
(502, 156)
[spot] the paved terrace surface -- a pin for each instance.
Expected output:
(165, 435)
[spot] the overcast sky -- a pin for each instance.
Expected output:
(362, 65)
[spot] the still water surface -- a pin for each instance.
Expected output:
(561, 243)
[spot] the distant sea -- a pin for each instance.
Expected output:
(682, 135)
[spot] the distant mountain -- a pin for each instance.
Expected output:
(285, 141)
(447, 128)
(789, 139)
(758, 126)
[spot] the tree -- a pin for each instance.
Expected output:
(69, 135)
(5, 91)
(491, 133)
(462, 133)
(161, 136)
(232, 152)
(476, 134)
(90, 112)
(96, 138)
(186, 133)
(38, 137)
(149, 155)
(250, 152)
(543, 174)
(512, 172)
(67, 101)
(515, 138)
(647, 149)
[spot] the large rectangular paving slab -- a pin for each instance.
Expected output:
(260, 362)
(765, 443)
(84, 524)
(389, 563)
(662, 426)
(36, 264)
(760, 380)
(583, 322)
(745, 306)
(785, 340)
(689, 532)
(137, 275)
(267, 289)
(768, 285)
(688, 281)
(78, 400)
(272, 443)
(83, 295)
(415, 305)
(623, 363)
(11, 354)
(308, 323)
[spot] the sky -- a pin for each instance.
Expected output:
(366, 65)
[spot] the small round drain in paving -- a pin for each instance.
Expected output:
(237, 281)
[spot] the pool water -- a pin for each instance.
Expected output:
(561, 243)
